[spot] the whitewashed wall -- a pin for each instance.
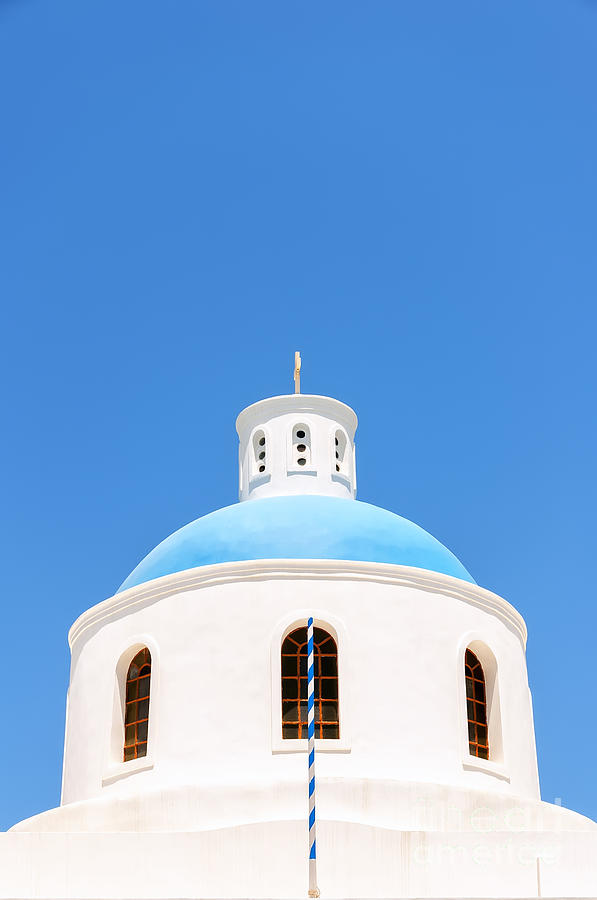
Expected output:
(215, 636)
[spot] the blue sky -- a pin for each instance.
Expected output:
(404, 191)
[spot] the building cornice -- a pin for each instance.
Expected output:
(292, 569)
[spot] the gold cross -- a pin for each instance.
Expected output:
(297, 372)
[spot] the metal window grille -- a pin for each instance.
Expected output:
(136, 718)
(294, 685)
(476, 703)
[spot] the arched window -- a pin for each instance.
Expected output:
(136, 719)
(294, 685)
(476, 703)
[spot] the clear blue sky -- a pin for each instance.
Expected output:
(404, 191)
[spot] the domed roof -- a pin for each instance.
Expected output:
(297, 527)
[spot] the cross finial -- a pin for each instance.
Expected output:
(297, 372)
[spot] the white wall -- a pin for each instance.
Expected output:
(269, 860)
(215, 633)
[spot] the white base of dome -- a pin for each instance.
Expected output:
(385, 839)
(268, 860)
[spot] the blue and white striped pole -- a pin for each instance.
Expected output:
(313, 889)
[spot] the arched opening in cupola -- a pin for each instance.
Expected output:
(294, 685)
(301, 446)
(339, 449)
(259, 452)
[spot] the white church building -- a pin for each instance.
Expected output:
(185, 760)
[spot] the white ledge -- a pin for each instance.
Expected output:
(123, 769)
(487, 766)
(319, 569)
(259, 479)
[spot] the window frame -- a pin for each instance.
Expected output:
(137, 698)
(474, 673)
(335, 628)
(299, 681)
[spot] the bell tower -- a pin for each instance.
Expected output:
(297, 444)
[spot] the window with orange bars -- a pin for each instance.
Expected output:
(136, 718)
(294, 685)
(476, 704)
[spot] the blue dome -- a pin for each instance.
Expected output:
(299, 527)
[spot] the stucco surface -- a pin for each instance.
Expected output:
(216, 707)
(267, 860)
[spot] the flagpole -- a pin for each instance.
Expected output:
(313, 889)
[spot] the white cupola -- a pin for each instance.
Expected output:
(297, 444)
